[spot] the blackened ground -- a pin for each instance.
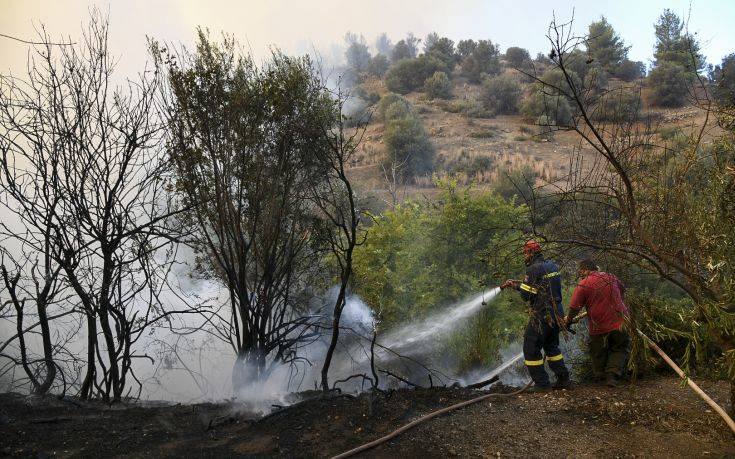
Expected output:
(653, 418)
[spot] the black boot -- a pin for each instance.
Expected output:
(562, 382)
(535, 389)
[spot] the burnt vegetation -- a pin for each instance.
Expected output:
(212, 167)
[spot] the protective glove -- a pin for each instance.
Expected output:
(510, 283)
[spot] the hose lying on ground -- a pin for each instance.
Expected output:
(418, 421)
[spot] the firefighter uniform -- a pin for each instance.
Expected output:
(542, 290)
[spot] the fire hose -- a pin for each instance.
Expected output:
(718, 409)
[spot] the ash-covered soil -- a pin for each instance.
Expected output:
(653, 418)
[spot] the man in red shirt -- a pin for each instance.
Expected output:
(602, 294)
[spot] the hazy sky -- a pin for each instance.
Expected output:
(297, 26)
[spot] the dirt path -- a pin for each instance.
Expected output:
(655, 418)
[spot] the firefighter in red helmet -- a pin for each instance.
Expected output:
(541, 288)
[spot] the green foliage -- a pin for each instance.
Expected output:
(516, 184)
(674, 326)
(548, 104)
(408, 145)
(420, 257)
(516, 56)
(409, 74)
(378, 65)
(438, 86)
(619, 105)
(546, 110)
(405, 49)
(669, 83)
(676, 46)
(357, 54)
(390, 99)
(470, 166)
(630, 70)
(724, 79)
(467, 107)
(482, 61)
(442, 49)
(605, 46)
(500, 95)
(384, 45)
(465, 48)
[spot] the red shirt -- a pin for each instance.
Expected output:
(602, 295)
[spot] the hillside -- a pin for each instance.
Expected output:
(478, 150)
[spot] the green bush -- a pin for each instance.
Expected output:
(409, 74)
(378, 65)
(482, 61)
(516, 56)
(621, 105)
(673, 325)
(669, 84)
(724, 78)
(388, 100)
(500, 95)
(630, 70)
(516, 183)
(443, 49)
(421, 257)
(438, 86)
(555, 110)
(407, 144)
(469, 108)
(462, 163)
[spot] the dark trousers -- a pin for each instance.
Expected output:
(540, 335)
(609, 353)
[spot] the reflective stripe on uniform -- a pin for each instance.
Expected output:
(529, 289)
(534, 363)
(550, 275)
(555, 358)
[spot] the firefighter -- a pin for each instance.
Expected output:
(602, 294)
(542, 290)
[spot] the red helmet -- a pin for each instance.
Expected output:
(531, 246)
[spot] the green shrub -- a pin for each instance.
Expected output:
(554, 109)
(669, 84)
(516, 56)
(517, 183)
(622, 105)
(469, 108)
(443, 49)
(482, 61)
(438, 86)
(407, 144)
(420, 257)
(462, 163)
(723, 76)
(409, 74)
(500, 95)
(673, 325)
(378, 65)
(388, 100)
(630, 70)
